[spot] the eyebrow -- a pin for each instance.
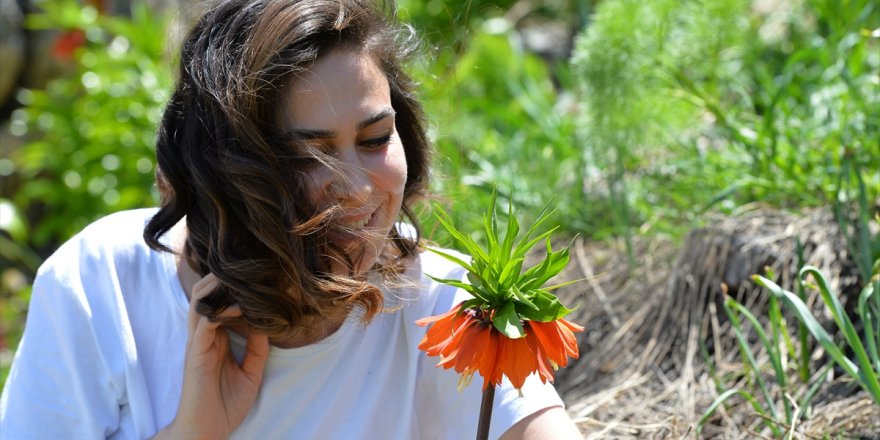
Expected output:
(308, 134)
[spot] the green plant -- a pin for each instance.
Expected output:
(865, 370)
(496, 279)
(853, 216)
(508, 304)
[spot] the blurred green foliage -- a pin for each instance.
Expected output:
(498, 123)
(701, 105)
(501, 116)
(93, 131)
(89, 146)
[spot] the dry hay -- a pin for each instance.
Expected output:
(643, 372)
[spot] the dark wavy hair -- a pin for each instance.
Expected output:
(243, 194)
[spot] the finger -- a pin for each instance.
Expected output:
(208, 336)
(202, 337)
(255, 358)
(233, 311)
(201, 289)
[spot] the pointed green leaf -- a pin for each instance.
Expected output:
(543, 216)
(510, 271)
(748, 356)
(521, 298)
(471, 246)
(490, 223)
(464, 286)
(474, 279)
(869, 317)
(568, 283)
(523, 247)
(549, 307)
(507, 321)
(451, 258)
(490, 278)
(726, 395)
(553, 264)
(510, 235)
(867, 374)
(867, 380)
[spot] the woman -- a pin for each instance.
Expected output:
(272, 294)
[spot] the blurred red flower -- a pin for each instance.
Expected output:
(67, 42)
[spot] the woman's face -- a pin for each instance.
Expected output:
(341, 107)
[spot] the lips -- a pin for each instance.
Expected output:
(357, 222)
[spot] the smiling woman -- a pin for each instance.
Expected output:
(264, 87)
(340, 113)
(272, 294)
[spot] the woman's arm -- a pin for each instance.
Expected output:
(548, 424)
(63, 379)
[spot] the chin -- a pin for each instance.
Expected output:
(366, 251)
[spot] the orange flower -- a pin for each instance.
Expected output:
(467, 341)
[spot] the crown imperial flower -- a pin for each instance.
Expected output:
(513, 326)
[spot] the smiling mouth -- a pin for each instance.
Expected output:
(360, 223)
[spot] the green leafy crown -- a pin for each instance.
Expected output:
(496, 276)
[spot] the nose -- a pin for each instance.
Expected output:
(351, 184)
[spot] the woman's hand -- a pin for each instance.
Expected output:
(217, 392)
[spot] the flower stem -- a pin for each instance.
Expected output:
(486, 413)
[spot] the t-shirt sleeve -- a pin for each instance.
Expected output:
(454, 414)
(59, 385)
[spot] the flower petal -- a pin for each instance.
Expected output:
(445, 316)
(567, 329)
(545, 371)
(440, 335)
(551, 341)
(515, 360)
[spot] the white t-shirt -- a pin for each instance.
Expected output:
(103, 351)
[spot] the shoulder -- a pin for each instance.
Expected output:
(116, 238)
(118, 231)
(96, 264)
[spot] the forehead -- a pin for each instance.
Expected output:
(340, 87)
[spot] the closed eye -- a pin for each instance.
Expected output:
(376, 143)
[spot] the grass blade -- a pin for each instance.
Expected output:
(746, 351)
(728, 394)
(803, 312)
(868, 320)
(866, 372)
(772, 351)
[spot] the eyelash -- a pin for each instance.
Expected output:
(376, 143)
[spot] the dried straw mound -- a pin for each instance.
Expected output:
(649, 333)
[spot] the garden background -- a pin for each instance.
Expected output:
(685, 146)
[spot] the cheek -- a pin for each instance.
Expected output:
(316, 180)
(393, 172)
